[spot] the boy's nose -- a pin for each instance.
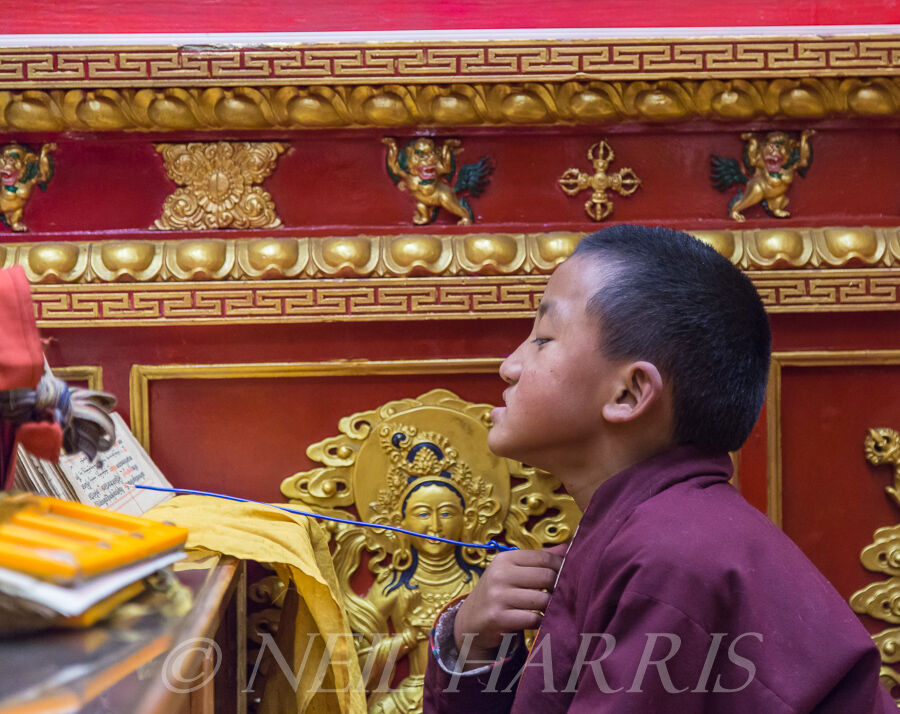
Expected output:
(511, 367)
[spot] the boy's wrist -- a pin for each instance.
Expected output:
(468, 650)
(475, 658)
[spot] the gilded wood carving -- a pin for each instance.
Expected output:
(624, 181)
(421, 464)
(425, 171)
(217, 185)
(21, 169)
(770, 165)
(881, 600)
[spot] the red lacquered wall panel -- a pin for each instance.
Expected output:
(832, 498)
(247, 435)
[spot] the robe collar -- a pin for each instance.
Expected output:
(615, 499)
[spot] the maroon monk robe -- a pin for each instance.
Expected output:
(679, 591)
(21, 359)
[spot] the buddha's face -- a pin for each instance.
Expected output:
(434, 510)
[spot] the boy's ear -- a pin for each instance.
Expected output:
(641, 387)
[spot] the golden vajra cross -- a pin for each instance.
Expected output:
(599, 206)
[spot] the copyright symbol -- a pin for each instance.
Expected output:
(174, 673)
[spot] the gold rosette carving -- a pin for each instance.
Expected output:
(217, 185)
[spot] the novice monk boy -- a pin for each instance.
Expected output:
(646, 365)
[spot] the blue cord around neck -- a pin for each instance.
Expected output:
(490, 545)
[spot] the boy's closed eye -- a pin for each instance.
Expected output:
(540, 341)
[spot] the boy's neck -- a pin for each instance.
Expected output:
(581, 477)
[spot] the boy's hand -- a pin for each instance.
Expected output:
(511, 596)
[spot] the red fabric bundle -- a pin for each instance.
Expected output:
(21, 367)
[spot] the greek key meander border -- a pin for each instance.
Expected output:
(142, 374)
(450, 62)
(390, 299)
(774, 431)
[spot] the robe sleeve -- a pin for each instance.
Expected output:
(488, 690)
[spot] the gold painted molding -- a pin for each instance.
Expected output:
(811, 358)
(90, 373)
(410, 277)
(585, 101)
(449, 62)
(142, 374)
(402, 256)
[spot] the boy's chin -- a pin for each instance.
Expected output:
(501, 445)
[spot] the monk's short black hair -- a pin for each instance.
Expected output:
(670, 299)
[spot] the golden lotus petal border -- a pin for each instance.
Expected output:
(450, 62)
(276, 258)
(579, 100)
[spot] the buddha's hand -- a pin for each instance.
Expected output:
(510, 597)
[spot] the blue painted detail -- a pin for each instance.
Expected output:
(405, 577)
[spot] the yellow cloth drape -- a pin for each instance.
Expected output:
(313, 625)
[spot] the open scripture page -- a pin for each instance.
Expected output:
(103, 482)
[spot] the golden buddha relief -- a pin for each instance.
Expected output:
(422, 465)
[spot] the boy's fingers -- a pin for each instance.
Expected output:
(533, 578)
(517, 620)
(560, 549)
(537, 559)
(527, 600)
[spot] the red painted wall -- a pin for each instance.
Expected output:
(109, 16)
(335, 182)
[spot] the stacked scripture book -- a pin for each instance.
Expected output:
(66, 563)
(73, 547)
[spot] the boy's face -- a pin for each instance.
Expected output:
(558, 378)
